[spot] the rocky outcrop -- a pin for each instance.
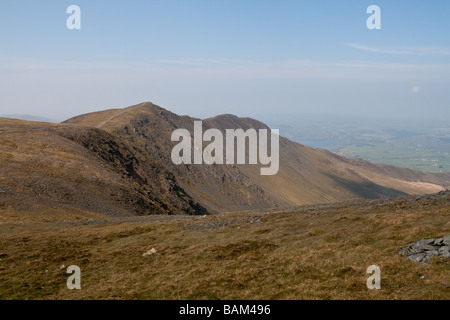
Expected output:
(423, 250)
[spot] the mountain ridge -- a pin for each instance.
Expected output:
(147, 111)
(128, 151)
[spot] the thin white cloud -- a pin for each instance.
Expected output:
(383, 50)
(210, 65)
(416, 51)
(431, 50)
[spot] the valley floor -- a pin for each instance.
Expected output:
(313, 252)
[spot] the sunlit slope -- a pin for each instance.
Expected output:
(311, 252)
(50, 172)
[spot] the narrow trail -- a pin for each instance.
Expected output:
(112, 117)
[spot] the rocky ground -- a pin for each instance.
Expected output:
(425, 249)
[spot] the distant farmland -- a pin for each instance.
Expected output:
(416, 145)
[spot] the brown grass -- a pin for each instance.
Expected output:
(316, 252)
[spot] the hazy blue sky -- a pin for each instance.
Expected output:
(207, 57)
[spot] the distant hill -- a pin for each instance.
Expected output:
(27, 117)
(117, 163)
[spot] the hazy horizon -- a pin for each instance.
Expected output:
(267, 117)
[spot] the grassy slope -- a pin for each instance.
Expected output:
(315, 252)
(56, 172)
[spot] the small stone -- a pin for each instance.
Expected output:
(149, 252)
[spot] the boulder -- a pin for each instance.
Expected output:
(423, 250)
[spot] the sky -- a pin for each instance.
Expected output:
(209, 57)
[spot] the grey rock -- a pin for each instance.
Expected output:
(444, 251)
(423, 250)
(419, 257)
(447, 240)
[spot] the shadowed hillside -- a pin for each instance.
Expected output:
(306, 175)
(218, 188)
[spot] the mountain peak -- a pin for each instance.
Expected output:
(149, 106)
(116, 117)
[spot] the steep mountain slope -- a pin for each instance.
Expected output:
(217, 188)
(306, 175)
(50, 171)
